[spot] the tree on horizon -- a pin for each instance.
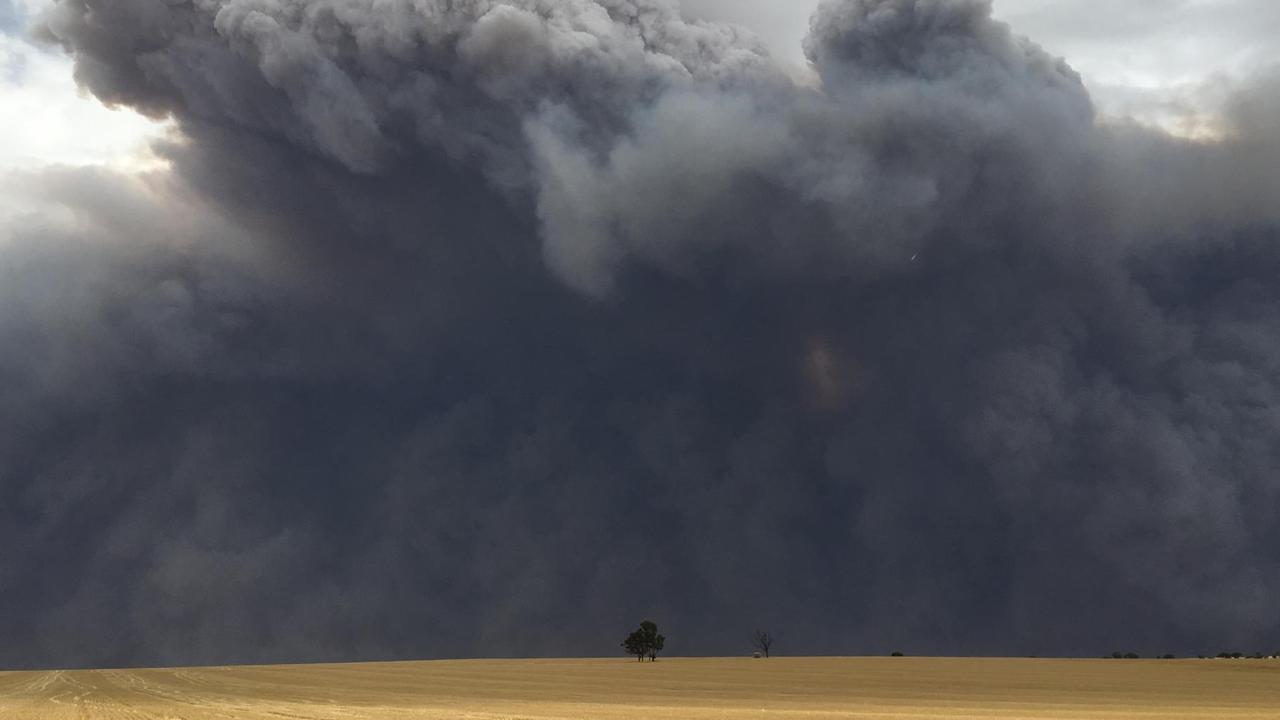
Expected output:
(762, 640)
(645, 642)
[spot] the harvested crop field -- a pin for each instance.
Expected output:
(671, 688)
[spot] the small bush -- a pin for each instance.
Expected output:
(896, 653)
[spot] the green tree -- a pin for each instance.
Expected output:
(645, 642)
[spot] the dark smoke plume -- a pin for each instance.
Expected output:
(486, 327)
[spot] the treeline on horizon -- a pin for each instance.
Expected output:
(647, 642)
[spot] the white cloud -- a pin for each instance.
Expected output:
(46, 119)
(1168, 62)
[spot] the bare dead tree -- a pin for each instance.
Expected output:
(762, 640)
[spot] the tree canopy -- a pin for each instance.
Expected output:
(645, 641)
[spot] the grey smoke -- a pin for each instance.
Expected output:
(485, 328)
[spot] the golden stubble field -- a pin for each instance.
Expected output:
(671, 688)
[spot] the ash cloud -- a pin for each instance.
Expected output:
(484, 328)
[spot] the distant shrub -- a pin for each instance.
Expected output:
(1167, 657)
(896, 653)
(1117, 655)
(1131, 656)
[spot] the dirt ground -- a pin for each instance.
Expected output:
(671, 688)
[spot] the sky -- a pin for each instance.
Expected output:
(45, 117)
(473, 328)
(1160, 61)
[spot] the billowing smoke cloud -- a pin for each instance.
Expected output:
(476, 328)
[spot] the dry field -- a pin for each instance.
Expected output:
(669, 689)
